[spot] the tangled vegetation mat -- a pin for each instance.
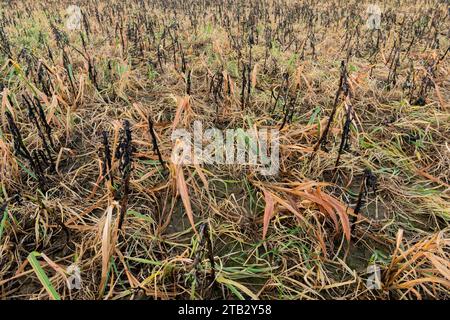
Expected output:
(92, 207)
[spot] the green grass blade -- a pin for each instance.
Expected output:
(32, 258)
(3, 223)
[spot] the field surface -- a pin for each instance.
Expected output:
(92, 207)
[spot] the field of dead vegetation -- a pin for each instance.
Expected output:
(93, 207)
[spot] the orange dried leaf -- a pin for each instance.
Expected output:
(341, 210)
(184, 194)
(183, 105)
(268, 211)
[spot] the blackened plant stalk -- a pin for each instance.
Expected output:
(276, 98)
(183, 61)
(45, 160)
(43, 118)
(37, 161)
(21, 150)
(43, 78)
(289, 109)
(345, 137)
(369, 180)
(343, 87)
(277, 91)
(284, 89)
(125, 148)
(86, 25)
(60, 36)
(244, 84)
(69, 70)
(392, 76)
(91, 64)
(216, 87)
(93, 73)
(155, 142)
(205, 244)
(32, 111)
(107, 162)
(249, 83)
(19, 146)
(5, 46)
(124, 154)
(188, 83)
